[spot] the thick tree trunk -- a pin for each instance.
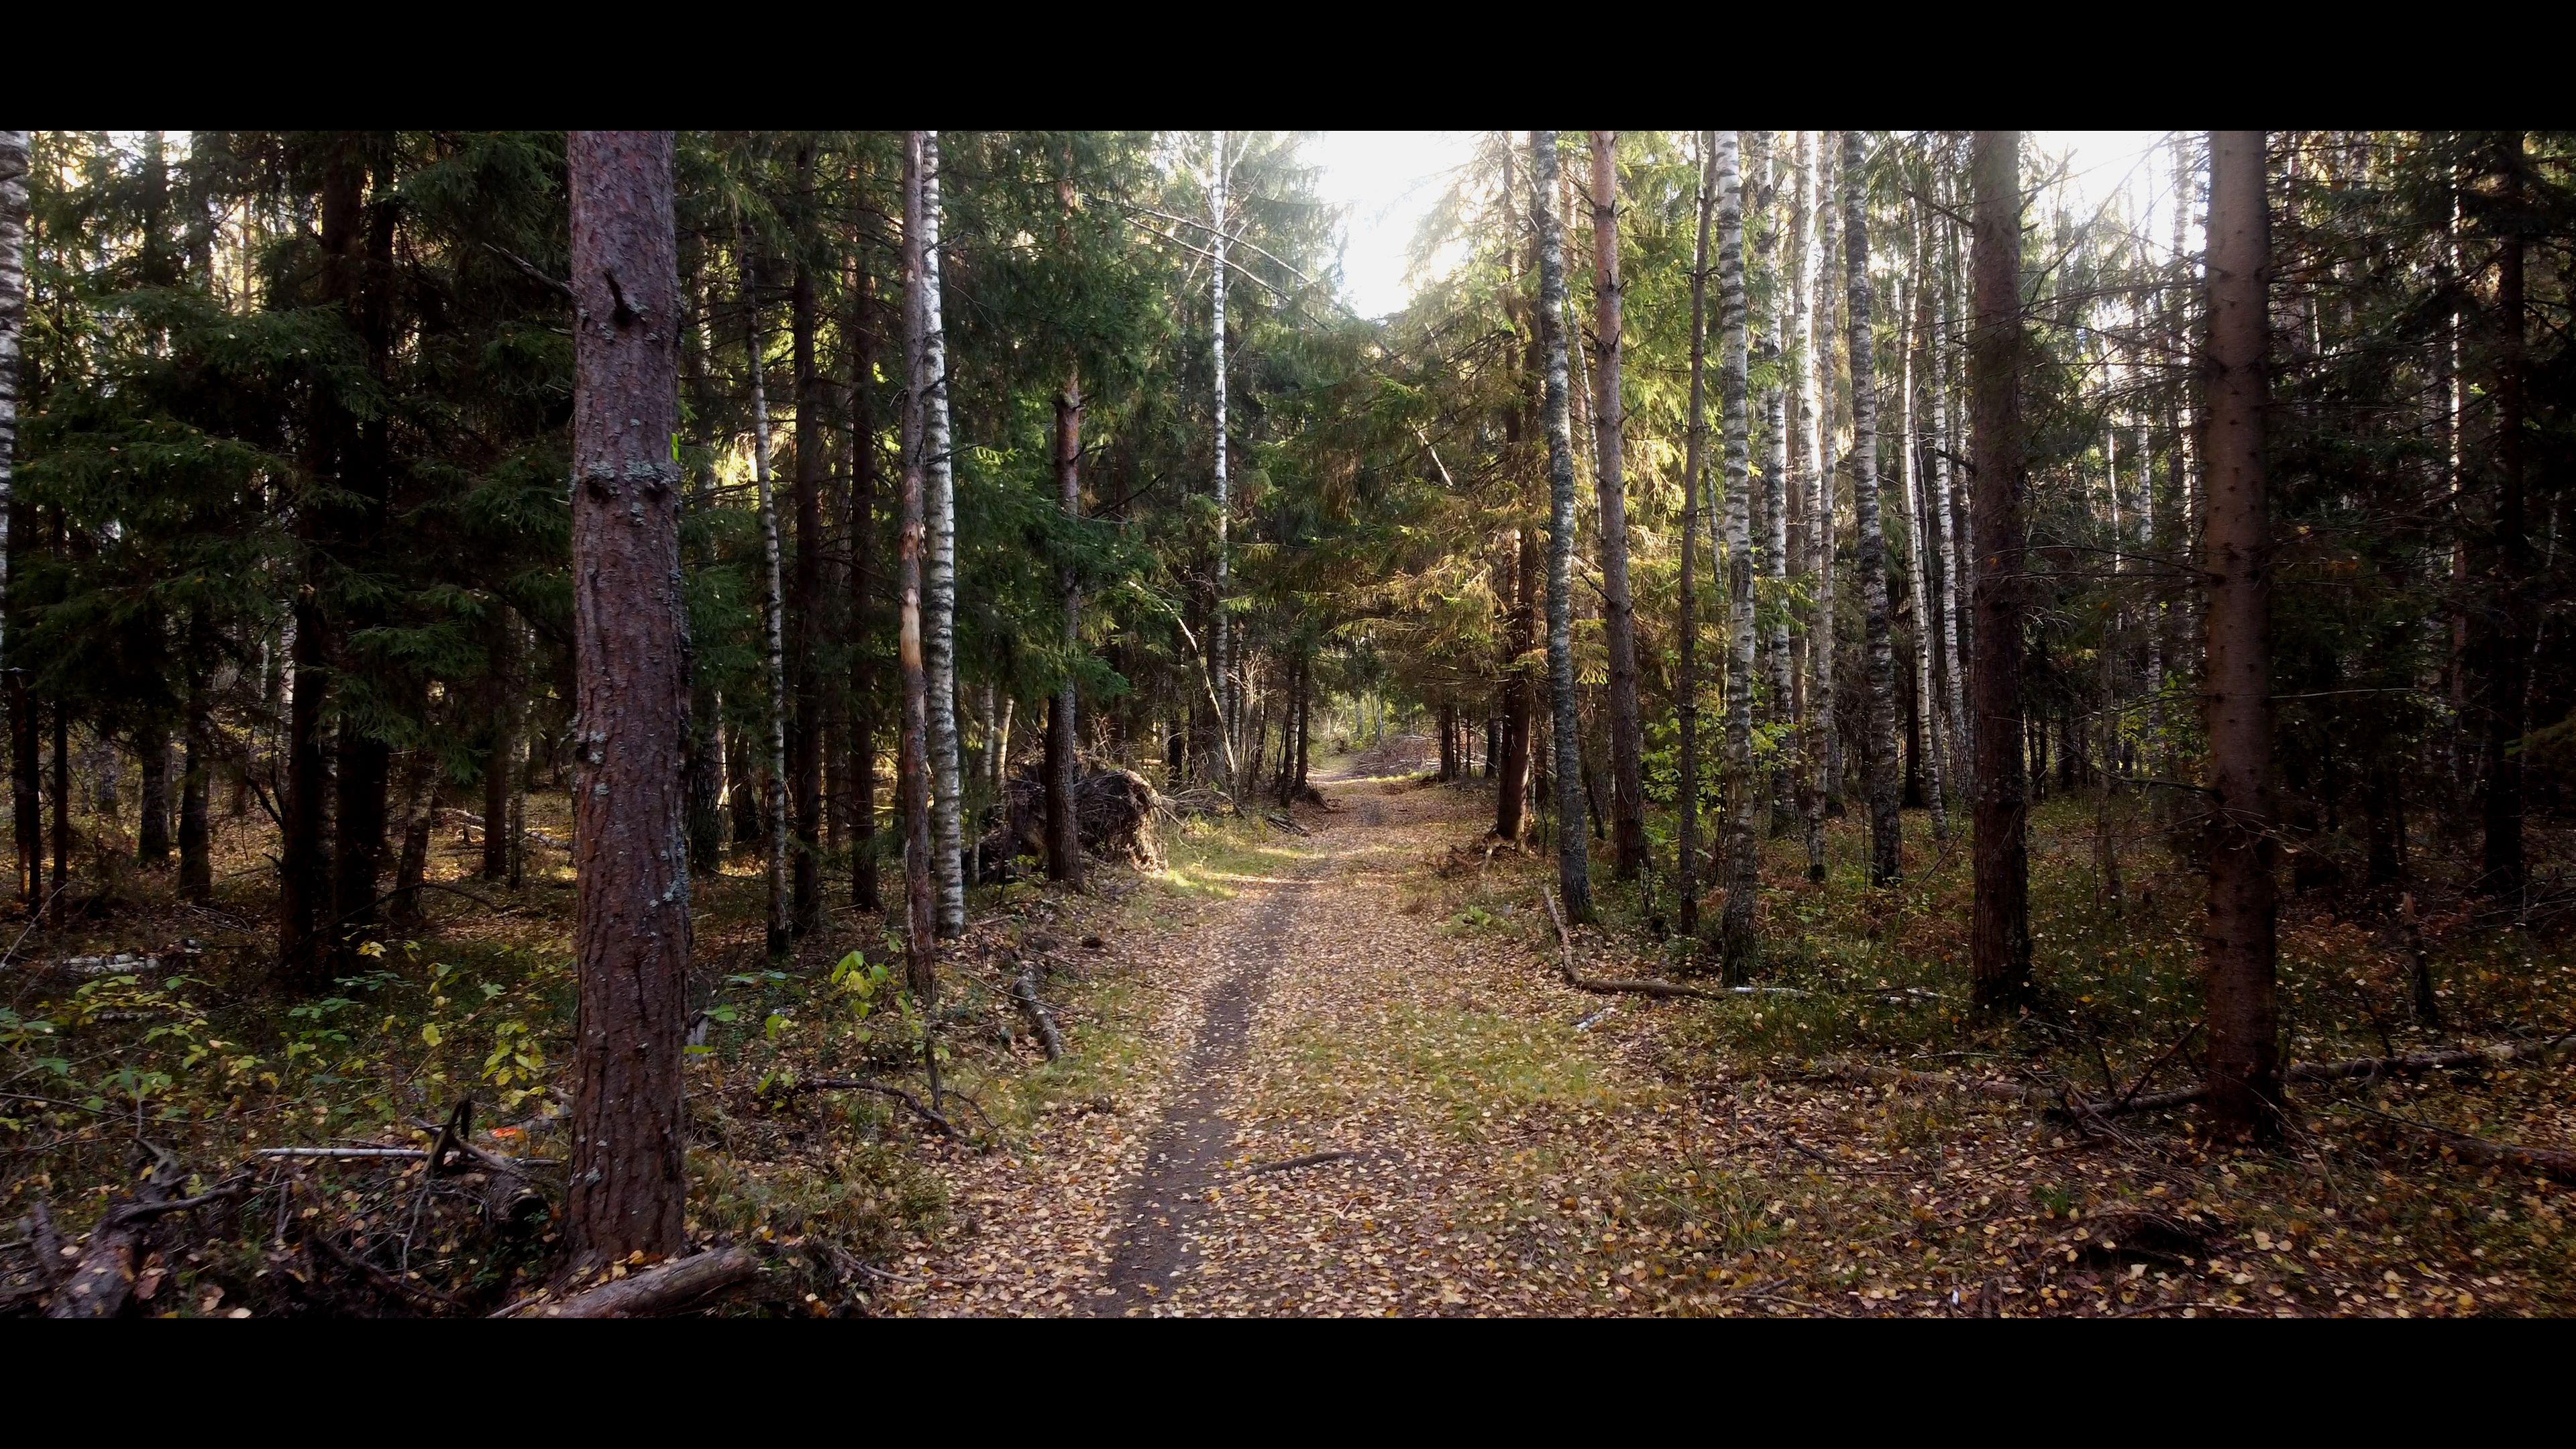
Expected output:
(912, 763)
(630, 629)
(939, 577)
(1573, 866)
(1618, 611)
(1878, 758)
(805, 610)
(1717, 168)
(773, 804)
(1999, 932)
(2244, 1099)
(1736, 944)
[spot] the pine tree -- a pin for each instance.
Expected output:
(1999, 934)
(1618, 610)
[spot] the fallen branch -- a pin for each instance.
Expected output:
(1282, 822)
(882, 1089)
(2553, 1163)
(1311, 1159)
(668, 1288)
(530, 832)
(102, 1283)
(1024, 989)
(1599, 987)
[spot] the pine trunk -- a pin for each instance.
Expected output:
(804, 613)
(1573, 866)
(1717, 168)
(1618, 610)
(773, 803)
(2244, 1096)
(1063, 768)
(630, 628)
(1999, 931)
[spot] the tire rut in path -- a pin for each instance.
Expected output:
(1182, 1155)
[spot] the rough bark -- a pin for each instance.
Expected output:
(773, 807)
(1064, 831)
(1573, 867)
(1999, 931)
(15, 518)
(630, 629)
(939, 565)
(1609, 479)
(1878, 758)
(805, 608)
(2244, 1067)
(1736, 946)
(1717, 168)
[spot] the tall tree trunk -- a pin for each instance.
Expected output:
(1063, 825)
(706, 728)
(939, 577)
(1221, 660)
(1878, 760)
(1826, 640)
(411, 866)
(773, 804)
(1618, 611)
(502, 702)
(1775, 471)
(1919, 550)
(1946, 550)
(1736, 944)
(912, 763)
(630, 629)
(1814, 503)
(2244, 1097)
(1520, 724)
(14, 517)
(805, 610)
(62, 816)
(1717, 169)
(2509, 615)
(1573, 866)
(863, 566)
(1999, 932)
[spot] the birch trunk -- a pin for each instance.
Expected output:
(1573, 867)
(1825, 639)
(630, 625)
(1775, 480)
(805, 736)
(1618, 609)
(26, 811)
(1814, 714)
(912, 760)
(1878, 759)
(1220, 628)
(1999, 931)
(1735, 928)
(1717, 166)
(2244, 1093)
(939, 571)
(1919, 552)
(1948, 545)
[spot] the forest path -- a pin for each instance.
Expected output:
(1362, 1105)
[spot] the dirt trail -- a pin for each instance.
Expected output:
(1366, 1107)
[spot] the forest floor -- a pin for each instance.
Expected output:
(1357, 1085)
(1327, 1070)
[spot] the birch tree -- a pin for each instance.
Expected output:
(1918, 548)
(1735, 929)
(1618, 609)
(1775, 472)
(1220, 627)
(1814, 501)
(1948, 551)
(805, 739)
(939, 577)
(628, 1183)
(1573, 868)
(1878, 760)
(912, 760)
(13, 318)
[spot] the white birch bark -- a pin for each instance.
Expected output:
(773, 608)
(1925, 703)
(1775, 481)
(1810, 365)
(13, 318)
(1878, 757)
(1220, 633)
(1950, 517)
(939, 576)
(1743, 860)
